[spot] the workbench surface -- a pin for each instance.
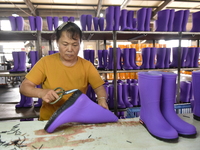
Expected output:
(126, 134)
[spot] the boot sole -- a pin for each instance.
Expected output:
(175, 140)
(188, 136)
(196, 117)
(66, 105)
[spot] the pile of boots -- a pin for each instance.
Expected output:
(195, 22)
(102, 59)
(89, 55)
(19, 60)
(157, 93)
(52, 52)
(68, 19)
(17, 23)
(33, 58)
(35, 23)
(52, 22)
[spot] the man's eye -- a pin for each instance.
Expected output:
(75, 45)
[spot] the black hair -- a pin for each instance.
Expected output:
(71, 28)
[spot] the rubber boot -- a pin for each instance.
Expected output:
(134, 24)
(195, 22)
(116, 18)
(89, 22)
(13, 23)
(185, 20)
(109, 18)
(55, 22)
(134, 94)
(126, 55)
(174, 63)
(50, 23)
(119, 65)
(160, 54)
(130, 19)
(33, 58)
(145, 58)
(51, 52)
(185, 91)
(91, 56)
(195, 87)
(111, 96)
(119, 96)
(141, 17)
(92, 112)
(83, 22)
(184, 51)
(167, 57)
(71, 19)
(28, 102)
(123, 20)
(32, 22)
(105, 57)
(147, 19)
(100, 62)
(86, 54)
(125, 95)
(20, 23)
(15, 56)
(196, 57)
(171, 20)
(178, 20)
(163, 19)
(190, 57)
(21, 102)
(110, 59)
(132, 58)
(168, 93)
(22, 62)
(152, 58)
(95, 23)
(101, 24)
(39, 23)
(151, 118)
(65, 19)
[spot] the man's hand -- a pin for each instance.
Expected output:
(48, 95)
(103, 103)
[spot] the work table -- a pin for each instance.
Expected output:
(126, 134)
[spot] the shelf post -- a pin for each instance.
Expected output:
(39, 43)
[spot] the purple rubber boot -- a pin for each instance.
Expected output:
(152, 58)
(89, 22)
(150, 115)
(21, 102)
(123, 20)
(195, 22)
(190, 57)
(195, 87)
(134, 94)
(178, 19)
(95, 23)
(184, 51)
(111, 96)
(13, 23)
(71, 19)
(83, 22)
(86, 54)
(163, 19)
(119, 66)
(15, 56)
(101, 24)
(50, 23)
(109, 18)
(171, 20)
(110, 59)
(196, 57)
(185, 91)
(141, 17)
(39, 23)
(32, 22)
(55, 22)
(20, 23)
(126, 60)
(51, 52)
(168, 92)
(28, 102)
(174, 63)
(132, 58)
(134, 24)
(92, 112)
(65, 19)
(22, 62)
(91, 56)
(185, 19)
(125, 95)
(167, 57)
(130, 19)
(161, 53)
(145, 58)
(116, 18)
(148, 19)
(105, 59)
(119, 96)
(33, 58)
(100, 60)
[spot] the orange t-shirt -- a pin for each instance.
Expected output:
(52, 73)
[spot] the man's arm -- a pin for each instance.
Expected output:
(101, 96)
